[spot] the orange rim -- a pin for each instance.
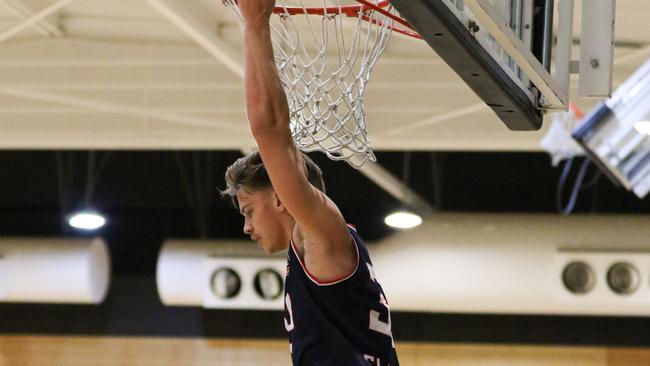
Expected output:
(349, 10)
(353, 11)
(579, 114)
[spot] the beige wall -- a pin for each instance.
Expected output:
(99, 351)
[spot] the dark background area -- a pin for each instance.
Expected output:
(150, 196)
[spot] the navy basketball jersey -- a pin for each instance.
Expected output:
(340, 323)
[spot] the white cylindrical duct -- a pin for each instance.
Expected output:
(43, 270)
(512, 263)
(179, 274)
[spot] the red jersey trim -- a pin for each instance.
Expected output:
(335, 281)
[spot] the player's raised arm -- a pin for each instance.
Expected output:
(329, 252)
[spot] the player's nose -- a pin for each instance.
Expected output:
(248, 229)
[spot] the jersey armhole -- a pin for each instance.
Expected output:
(314, 279)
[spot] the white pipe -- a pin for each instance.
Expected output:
(178, 273)
(180, 277)
(54, 270)
(33, 19)
(20, 10)
(464, 263)
(512, 264)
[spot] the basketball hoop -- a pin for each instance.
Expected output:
(325, 55)
(353, 11)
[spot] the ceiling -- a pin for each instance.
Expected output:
(141, 81)
(158, 74)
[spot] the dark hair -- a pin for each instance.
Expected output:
(249, 171)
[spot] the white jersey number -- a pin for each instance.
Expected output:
(288, 324)
(375, 323)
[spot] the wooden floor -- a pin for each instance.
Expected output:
(99, 351)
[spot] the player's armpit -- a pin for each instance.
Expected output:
(333, 266)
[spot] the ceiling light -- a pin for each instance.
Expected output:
(643, 127)
(87, 220)
(403, 220)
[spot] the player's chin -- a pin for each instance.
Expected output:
(265, 247)
(272, 249)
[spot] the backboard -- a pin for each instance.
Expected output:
(502, 50)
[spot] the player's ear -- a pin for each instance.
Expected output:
(277, 204)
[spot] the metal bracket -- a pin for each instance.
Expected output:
(526, 61)
(597, 49)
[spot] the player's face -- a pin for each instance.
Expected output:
(263, 219)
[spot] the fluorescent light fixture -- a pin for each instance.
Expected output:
(87, 220)
(403, 220)
(643, 127)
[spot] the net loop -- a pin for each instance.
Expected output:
(325, 55)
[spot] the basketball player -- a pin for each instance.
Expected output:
(335, 310)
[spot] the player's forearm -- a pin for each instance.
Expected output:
(266, 102)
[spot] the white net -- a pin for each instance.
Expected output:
(325, 62)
